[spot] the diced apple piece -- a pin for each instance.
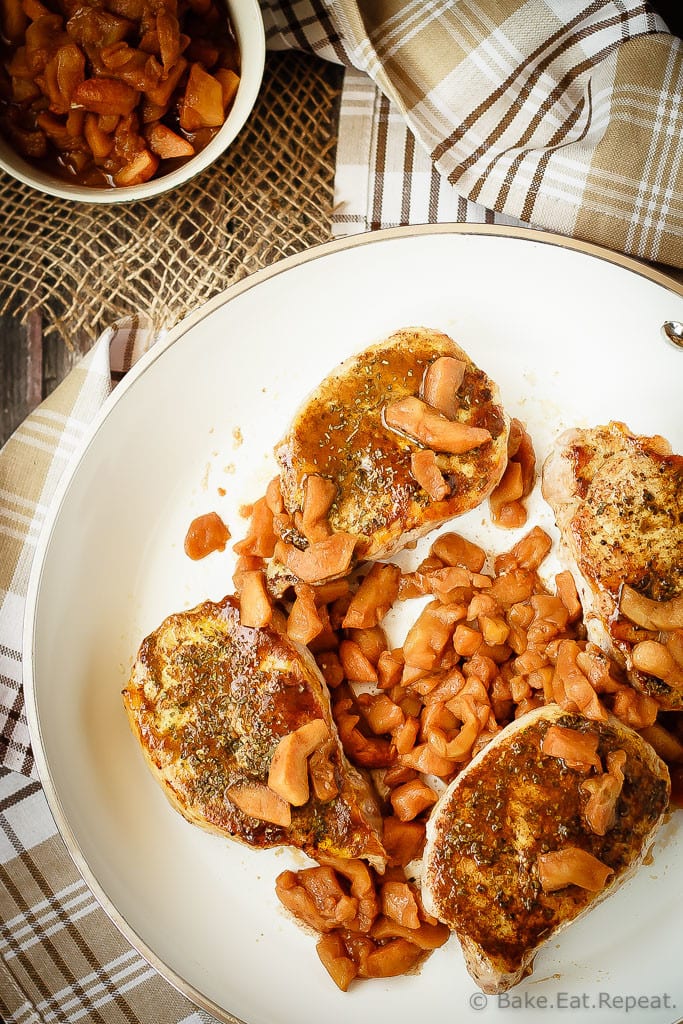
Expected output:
(288, 775)
(34, 9)
(133, 9)
(167, 144)
(149, 41)
(13, 20)
(338, 965)
(150, 112)
(78, 160)
(417, 419)
(101, 143)
(108, 122)
(168, 32)
(55, 129)
(202, 106)
(128, 142)
(230, 83)
(161, 93)
(140, 169)
(70, 64)
(425, 469)
(116, 56)
(75, 122)
(42, 40)
(24, 90)
(256, 800)
(441, 382)
(98, 28)
(18, 65)
(105, 96)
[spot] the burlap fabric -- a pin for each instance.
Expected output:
(270, 195)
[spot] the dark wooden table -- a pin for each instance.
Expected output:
(30, 368)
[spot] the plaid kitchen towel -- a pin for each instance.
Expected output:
(31, 464)
(61, 958)
(564, 114)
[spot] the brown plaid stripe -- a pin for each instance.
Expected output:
(528, 75)
(639, 207)
(61, 959)
(519, 106)
(31, 465)
(383, 177)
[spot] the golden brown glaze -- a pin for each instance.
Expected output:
(209, 699)
(206, 534)
(629, 527)
(512, 804)
(618, 501)
(340, 434)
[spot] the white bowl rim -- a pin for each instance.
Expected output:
(250, 84)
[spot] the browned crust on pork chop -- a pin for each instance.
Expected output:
(513, 803)
(618, 502)
(209, 700)
(340, 433)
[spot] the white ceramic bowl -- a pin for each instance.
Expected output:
(248, 25)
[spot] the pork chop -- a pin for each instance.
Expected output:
(343, 433)
(618, 503)
(211, 701)
(541, 825)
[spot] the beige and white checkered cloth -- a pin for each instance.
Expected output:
(61, 959)
(562, 114)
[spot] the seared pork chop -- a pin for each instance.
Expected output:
(355, 431)
(618, 503)
(542, 824)
(211, 701)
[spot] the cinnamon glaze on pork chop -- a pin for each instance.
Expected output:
(343, 433)
(210, 701)
(618, 503)
(543, 823)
